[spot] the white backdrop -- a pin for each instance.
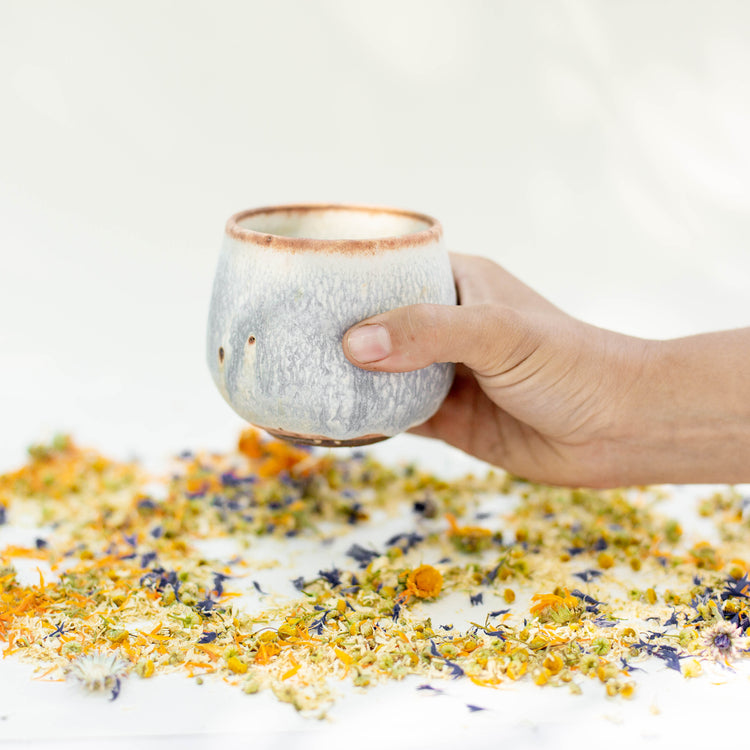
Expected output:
(599, 150)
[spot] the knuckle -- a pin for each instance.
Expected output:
(476, 279)
(473, 262)
(503, 334)
(499, 318)
(484, 265)
(420, 322)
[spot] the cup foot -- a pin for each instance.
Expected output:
(294, 437)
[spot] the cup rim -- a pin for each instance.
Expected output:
(431, 234)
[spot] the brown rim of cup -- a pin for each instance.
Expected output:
(431, 234)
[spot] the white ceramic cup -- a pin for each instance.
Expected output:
(290, 281)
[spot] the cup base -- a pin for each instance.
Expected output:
(324, 442)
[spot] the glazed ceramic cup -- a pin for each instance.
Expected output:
(290, 281)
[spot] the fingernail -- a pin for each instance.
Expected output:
(369, 343)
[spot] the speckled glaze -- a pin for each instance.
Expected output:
(290, 281)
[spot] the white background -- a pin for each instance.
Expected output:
(599, 150)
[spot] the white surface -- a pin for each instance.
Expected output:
(177, 713)
(599, 150)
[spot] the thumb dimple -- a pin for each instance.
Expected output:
(409, 338)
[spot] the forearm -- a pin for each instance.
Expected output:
(686, 418)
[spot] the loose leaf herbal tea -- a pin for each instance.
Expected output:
(590, 583)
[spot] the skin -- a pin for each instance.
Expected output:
(553, 399)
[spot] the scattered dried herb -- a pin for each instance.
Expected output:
(131, 592)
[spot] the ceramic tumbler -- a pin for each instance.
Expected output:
(290, 281)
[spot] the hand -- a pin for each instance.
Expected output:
(551, 398)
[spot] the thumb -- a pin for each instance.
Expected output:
(487, 338)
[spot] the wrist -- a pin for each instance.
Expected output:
(622, 374)
(685, 416)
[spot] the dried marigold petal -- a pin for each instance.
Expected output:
(249, 444)
(541, 676)
(553, 663)
(516, 669)
(236, 665)
(472, 537)
(343, 656)
(553, 601)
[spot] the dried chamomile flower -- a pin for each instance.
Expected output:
(468, 539)
(425, 582)
(99, 671)
(554, 608)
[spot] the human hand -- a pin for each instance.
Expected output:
(551, 398)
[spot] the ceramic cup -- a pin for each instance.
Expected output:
(290, 281)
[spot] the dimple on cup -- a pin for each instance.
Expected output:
(289, 282)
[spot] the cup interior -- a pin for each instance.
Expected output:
(334, 222)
